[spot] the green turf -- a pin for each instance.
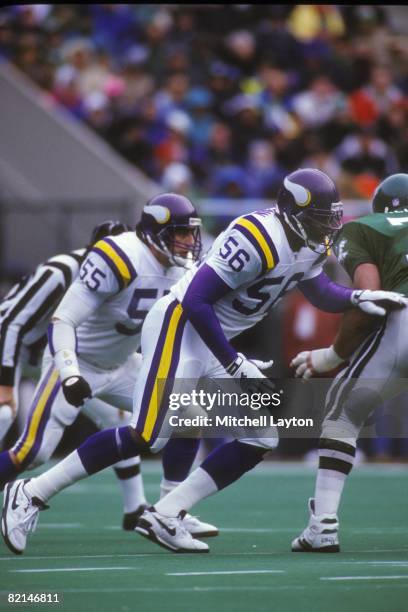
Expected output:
(258, 517)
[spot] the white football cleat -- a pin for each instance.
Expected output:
(168, 532)
(20, 515)
(321, 534)
(199, 529)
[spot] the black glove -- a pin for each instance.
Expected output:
(76, 390)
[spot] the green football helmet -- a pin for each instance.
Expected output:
(391, 193)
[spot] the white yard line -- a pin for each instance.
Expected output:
(47, 570)
(378, 551)
(225, 573)
(196, 589)
(336, 578)
(61, 525)
(400, 563)
(56, 557)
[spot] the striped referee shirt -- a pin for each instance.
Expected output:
(26, 310)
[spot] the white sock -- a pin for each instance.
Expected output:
(54, 480)
(166, 486)
(336, 459)
(328, 491)
(131, 483)
(195, 487)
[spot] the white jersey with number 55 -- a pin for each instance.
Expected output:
(117, 285)
(254, 258)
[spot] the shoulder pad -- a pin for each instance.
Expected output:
(117, 260)
(254, 230)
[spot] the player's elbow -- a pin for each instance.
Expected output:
(62, 322)
(192, 306)
(367, 276)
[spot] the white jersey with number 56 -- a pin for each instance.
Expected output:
(254, 258)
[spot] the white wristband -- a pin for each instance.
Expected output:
(66, 363)
(324, 360)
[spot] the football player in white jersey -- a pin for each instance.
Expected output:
(25, 313)
(186, 336)
(94, 334)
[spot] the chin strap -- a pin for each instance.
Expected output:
(176, 260)
(300, 232)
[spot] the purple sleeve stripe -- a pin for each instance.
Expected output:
(254, 243)
(124, 257)
(112, 266)
(266, 236)
(50, 342)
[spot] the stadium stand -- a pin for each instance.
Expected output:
(234, 98)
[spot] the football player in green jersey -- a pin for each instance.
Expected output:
(374, 252)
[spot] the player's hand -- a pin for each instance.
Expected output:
(7, 398)
(377, 302)
(310, 363)
(76, 390)
(248, 371)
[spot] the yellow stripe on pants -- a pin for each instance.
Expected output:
(36, 417)
(162, 373)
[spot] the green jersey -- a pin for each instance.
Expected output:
(380, 239)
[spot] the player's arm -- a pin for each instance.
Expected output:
(206, 288)
(354, 253)
(38, 298)
(329, 296)
(354, 247)
(237, 262)
(105, 271)
(356, 325)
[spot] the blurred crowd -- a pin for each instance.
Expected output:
(224, 100)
